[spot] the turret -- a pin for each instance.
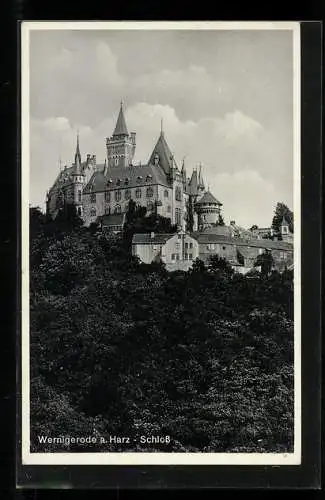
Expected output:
(77, 178)
(208, 210)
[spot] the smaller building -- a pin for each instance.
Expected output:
(240, 252)
(112, 223)
(177, 251)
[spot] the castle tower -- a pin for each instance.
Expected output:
(208, 210)
(77, 179)
(121, 145)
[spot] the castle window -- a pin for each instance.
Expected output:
(191, 245)
(178, 194)
(107, 196)
(107, 209)
(166, 193)
(93, 198)
(169, 208)
(118, 195)
(116, 162)
(138, 193)
(127, 180)
(79, 195)
(177, 246)
(150, 205)
(117, 209)
(186, 246)
(93, 212)
(127, 194)
(79, 211)
(190, 256)
(186, 256)
(173, 256)
(177, 256)
(149, 192)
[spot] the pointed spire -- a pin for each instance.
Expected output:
(200, 179)
(162, 127)
(77, 156)
(121, 128)
(183, 166)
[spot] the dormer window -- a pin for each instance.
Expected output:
(148, 178)
(139, 178)
(109, 181)
(118, 181)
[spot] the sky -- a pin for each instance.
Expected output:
(225, 97)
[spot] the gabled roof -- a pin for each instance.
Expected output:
(208, 199)
(121, 128)
(166, 160)
(146, 239)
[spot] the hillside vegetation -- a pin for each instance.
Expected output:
(127, 349)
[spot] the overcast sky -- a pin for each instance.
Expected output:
(225, 98)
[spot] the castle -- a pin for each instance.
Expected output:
(101, 194)
(160, 185)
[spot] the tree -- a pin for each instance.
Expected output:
(282, 211)
(265, 261)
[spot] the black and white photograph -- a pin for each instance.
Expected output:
(160, 204)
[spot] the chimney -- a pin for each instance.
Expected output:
(152, 235)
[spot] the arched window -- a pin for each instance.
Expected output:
(107, 196)
(166, 193)
(117, 209)
(149, 192)
(138, 193)
(117, 195)
(127, 194)
(79, 195)
(93, 212)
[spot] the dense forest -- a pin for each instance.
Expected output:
(122, 348)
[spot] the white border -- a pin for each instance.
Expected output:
(155, 458)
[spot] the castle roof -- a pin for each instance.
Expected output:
(126, 177)
(208, 199)
(166, 159)
(193, 184)
(121, 128)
